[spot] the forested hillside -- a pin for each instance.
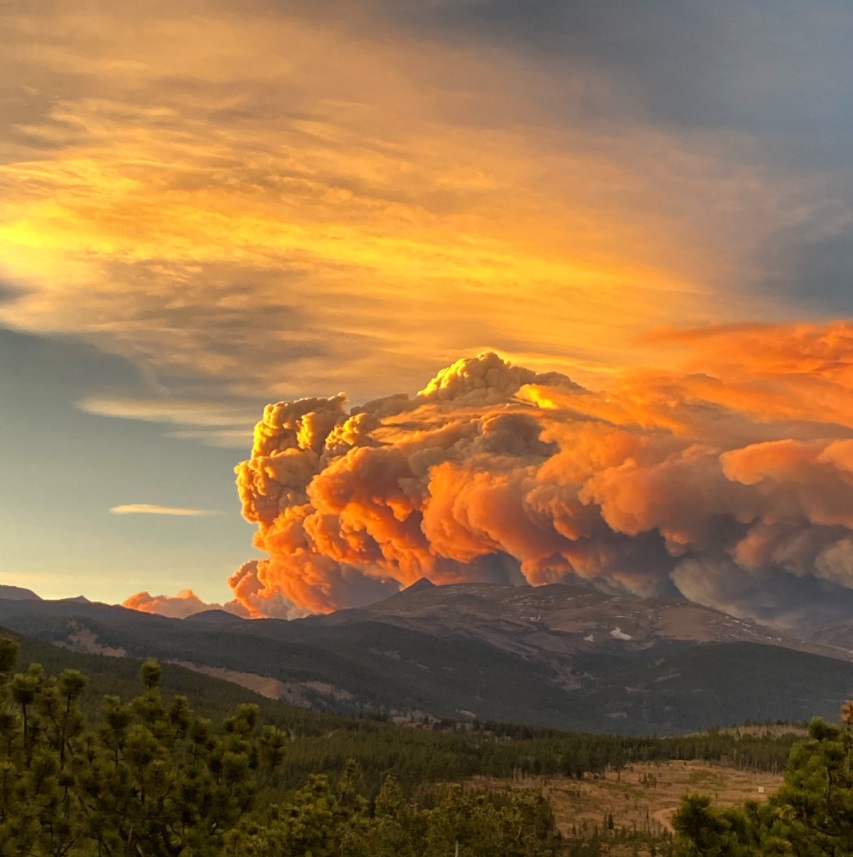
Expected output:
(151, 777)
(416, 751)
(87, 770)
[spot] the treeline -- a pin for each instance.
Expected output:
(415, 755)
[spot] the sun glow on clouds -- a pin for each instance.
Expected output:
(225, 211)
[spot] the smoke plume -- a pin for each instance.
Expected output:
(185, 603)
(728, 482)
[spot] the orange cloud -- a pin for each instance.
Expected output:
(185, 603)
(667, 483)
(177, 183)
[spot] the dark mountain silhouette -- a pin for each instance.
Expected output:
(17, 593)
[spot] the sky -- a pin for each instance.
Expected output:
(204, 210)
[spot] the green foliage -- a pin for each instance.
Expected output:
(810, 816)
(151, 778)
(330, 818)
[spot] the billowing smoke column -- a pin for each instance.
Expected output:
(732, 486)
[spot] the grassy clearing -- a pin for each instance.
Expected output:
(640, 798)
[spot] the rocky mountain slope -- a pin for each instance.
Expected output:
(561, 620)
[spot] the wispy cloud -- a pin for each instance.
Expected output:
(321, 227)
(154, 509)
(180, 412)
(211, 423)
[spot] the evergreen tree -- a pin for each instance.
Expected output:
(810, 816)
(152, 779)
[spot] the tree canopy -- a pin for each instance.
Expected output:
(152, 778)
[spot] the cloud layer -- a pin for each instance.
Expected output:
(731, 485)
(180, 188)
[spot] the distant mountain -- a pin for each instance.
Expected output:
(17, 593)
(557, 656)
(544, 621)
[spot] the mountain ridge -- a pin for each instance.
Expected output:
(557, 656)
